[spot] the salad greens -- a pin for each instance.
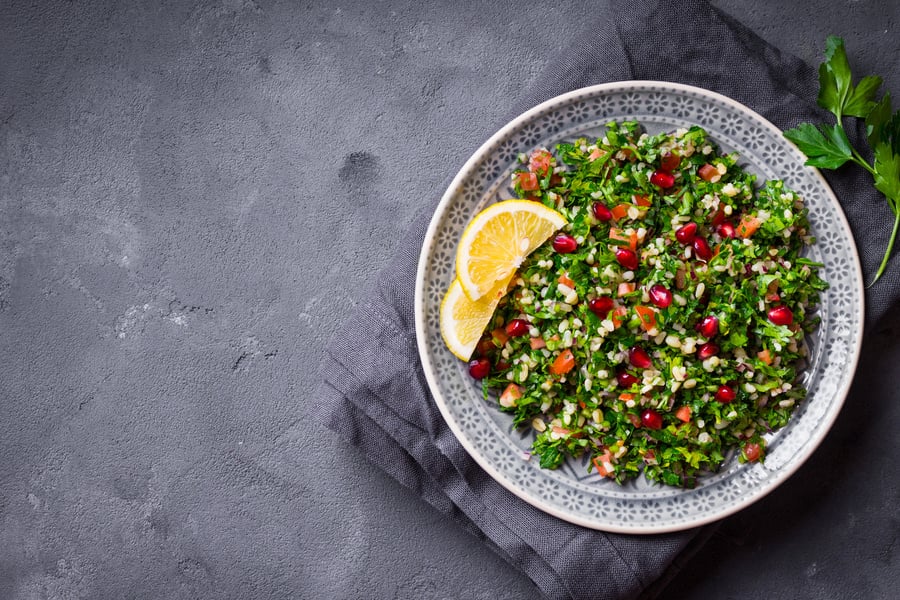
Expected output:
(828, 147)
(663, 327)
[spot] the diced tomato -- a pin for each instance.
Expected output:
(540, 162)
(765, 356)
(619, 235)
(560, 430)
(626, 396)
(485, 347)
(683, 414)
(528, 181)
(596, 153)
(708, 172)
(748, 226)
(669, 161)
(642, 200)
(537, 343)
(647, 316)
(626, 287)
(603, 464)
(618, 316)
(619, 211)
(499, 336)
(566, 280)
(564, 363)
(510, 394)
(752, 451)
(635, 419)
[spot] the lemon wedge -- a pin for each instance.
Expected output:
(463, 320)
(498, 239)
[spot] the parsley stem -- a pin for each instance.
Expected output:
(858, 159)
(890, 247)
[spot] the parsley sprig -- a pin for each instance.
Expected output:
(828, 147)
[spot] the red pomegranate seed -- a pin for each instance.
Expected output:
(701, 249)
(708, 327)
(660, 296)
(781, 315)
(686, 233)
(662, 179)
(479, 368)
(725, 394)
(669, 161)
(707, 350)
(638, 357)
(627, 258)
(626, 379)
(651, 419)
(602, 212)
(517, 328)
(601, 306)
(565, 243)
(726, 230)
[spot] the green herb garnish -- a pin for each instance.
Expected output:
(828, 147)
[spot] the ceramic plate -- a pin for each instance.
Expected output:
(570, 492)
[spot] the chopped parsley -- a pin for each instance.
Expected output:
(663, 328)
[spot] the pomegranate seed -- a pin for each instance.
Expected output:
(701, 249)
(638, 357)
(669, 161)
(651, 419)
(626, 379)
(781, 315)
(627, 258)
(517, 328)
(565, 243)
(602, 212)
(601, 306)
(479, 368)
(662, 179)
(725, 394)
(686, 233)
(707, 350)
(660, 296)
(726, 230)
(708, 327)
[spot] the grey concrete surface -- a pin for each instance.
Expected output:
(193, 195)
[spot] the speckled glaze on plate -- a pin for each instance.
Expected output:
(571, 493)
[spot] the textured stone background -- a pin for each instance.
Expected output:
(194, 194)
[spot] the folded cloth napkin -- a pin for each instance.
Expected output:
(374, 392)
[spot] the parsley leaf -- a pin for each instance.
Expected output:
(859, 103)
(825, 147)
(828, 147)
(887, 172)
(836, 91)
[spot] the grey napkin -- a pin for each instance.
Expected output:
(374, 393)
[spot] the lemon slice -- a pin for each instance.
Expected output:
(498, 239)
(463, 320)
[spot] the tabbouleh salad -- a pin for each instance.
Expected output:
(664, 325)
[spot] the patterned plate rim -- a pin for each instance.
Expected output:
(718, 512)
